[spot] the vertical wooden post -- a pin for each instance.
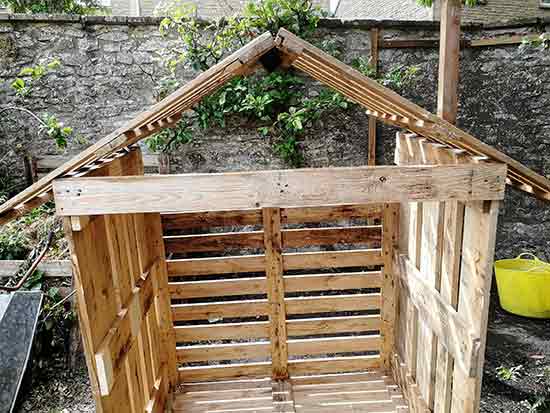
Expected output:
(390, 238)
(275, 292)
(476, 274)
(164, 163)
(449, 55)
(374, 35)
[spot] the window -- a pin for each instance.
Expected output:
(545, 4)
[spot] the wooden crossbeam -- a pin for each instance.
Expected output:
(288, 188)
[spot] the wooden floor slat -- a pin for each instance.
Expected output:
(369, 392)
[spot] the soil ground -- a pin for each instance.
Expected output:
(512, 341)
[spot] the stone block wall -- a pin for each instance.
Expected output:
(110, 67)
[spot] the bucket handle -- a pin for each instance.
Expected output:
(530, 254)
(541, 263)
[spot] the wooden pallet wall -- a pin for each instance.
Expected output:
(124, 314)
(281, 291)
(445, 270)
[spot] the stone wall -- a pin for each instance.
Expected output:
(111, 66)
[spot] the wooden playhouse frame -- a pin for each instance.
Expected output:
(391, 317)
(301, 331)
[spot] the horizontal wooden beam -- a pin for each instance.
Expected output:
(181, 221)
(224, 371)
(447, 324)
(55, 268)
(285, 188)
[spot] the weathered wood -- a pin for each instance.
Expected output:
(317, 346)
(254, 216)
(333, 365)
(390, 222)
(236, 351)
(374, 40)
(449, 54)
(333, 325)
(226, 331)
(478, 247)
(275, 292)
(54, 268)
(293, 238)
(331, 282)
(331, 304)
(219, 310)
(230, 371)
(256, 263)
(298, 187)
(451, 327)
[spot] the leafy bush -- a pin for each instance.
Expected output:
(13, 244)
(276, 102)
(52, 6)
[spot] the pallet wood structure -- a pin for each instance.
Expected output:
(313, 290)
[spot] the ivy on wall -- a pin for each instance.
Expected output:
(279, 103)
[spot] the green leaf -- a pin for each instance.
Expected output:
(26, 71)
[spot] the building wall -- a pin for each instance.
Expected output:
(110, 68)
(505, 10)
(207, 9)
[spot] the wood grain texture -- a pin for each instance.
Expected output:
(275, 292)
(314, 214)
(451, 327)
(290, 188)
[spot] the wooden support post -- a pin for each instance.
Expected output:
(374, 39)
(449, 55)
(390, 238)
(164, 163)
(275, 292)
(476, 274)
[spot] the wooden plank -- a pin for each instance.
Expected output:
(225, 265)
(303, 187)
(410, 388)
(449, 55)
(390, 222)
(333, 325)
(332, 259)
(165, 111)
(53, 268)
(218, 288)
(226, 331)
(331, 282)
(153, 233)
(48, 163)
(236, 351)
(450, 326)
(158, 400)
(478, 247)
(228, 371)
(81, 280)
(119, 341)
(220, 310)
(315, 214)
(333, 365)
(296, 238)
(318, 214)
(213, 242)
(317, 346)
(256, 263)
(330, 304)
(207, 219)
(275, 292)
(374, 41)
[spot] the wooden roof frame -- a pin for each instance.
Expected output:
(380, 102)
